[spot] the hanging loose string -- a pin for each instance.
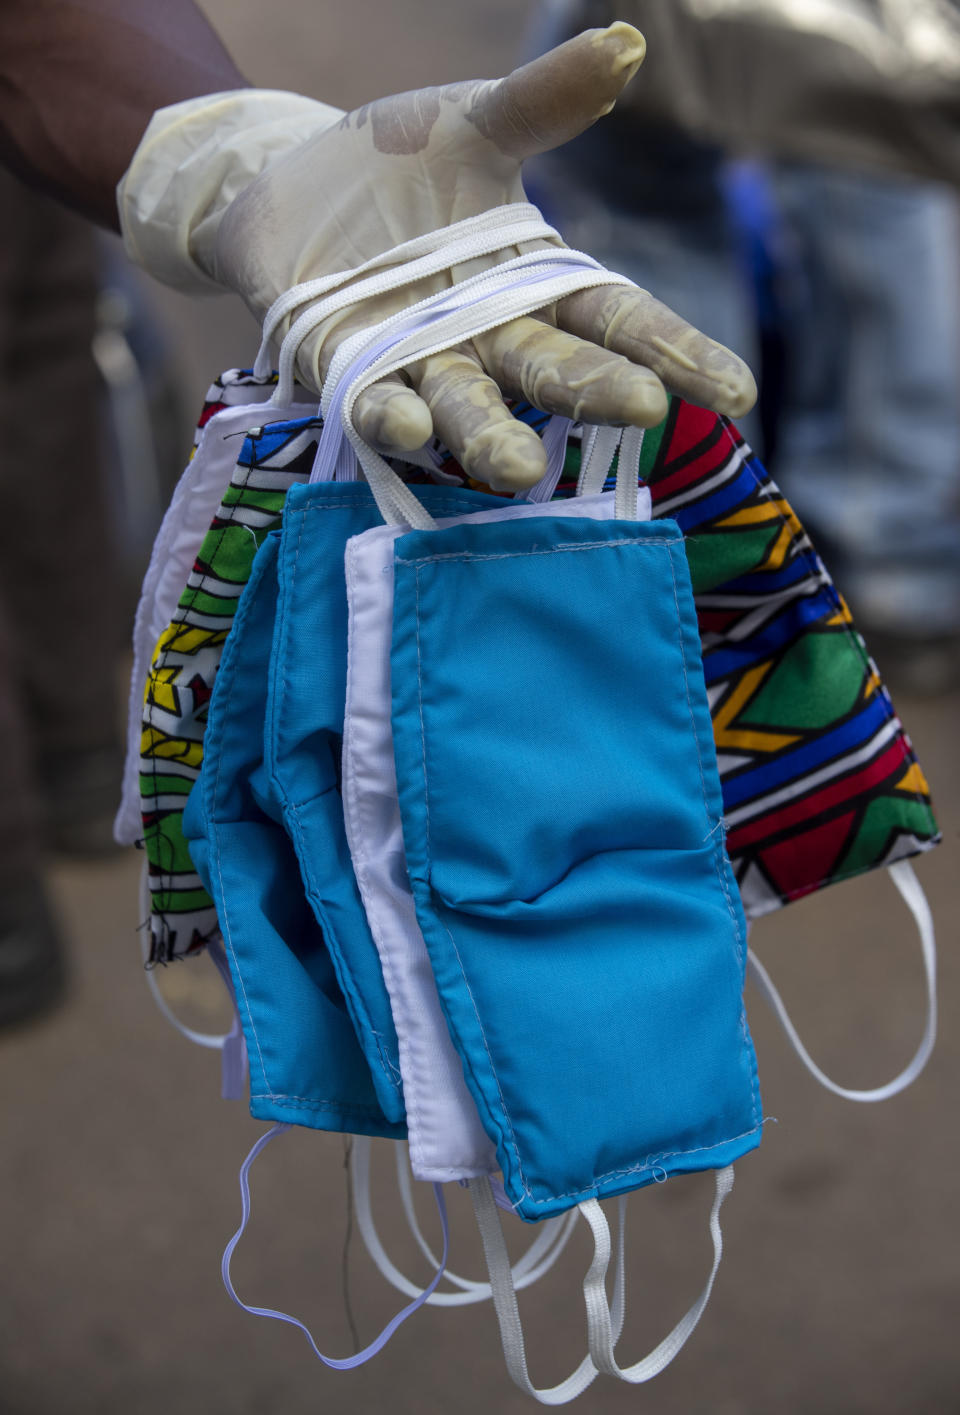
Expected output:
(604, 1320)
(910, 889)
(347, 1363)
(347, 1240)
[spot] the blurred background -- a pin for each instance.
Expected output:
(794, 193)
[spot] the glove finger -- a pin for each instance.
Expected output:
(389, 414)
(559, 373)
(551, 100)
(632, 323)
(471, 419)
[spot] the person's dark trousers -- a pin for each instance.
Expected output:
(58, 606)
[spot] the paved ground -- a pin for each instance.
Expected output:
(118, 1167)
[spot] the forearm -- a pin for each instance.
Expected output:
(80, 80)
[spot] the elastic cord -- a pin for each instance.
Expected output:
(505, 1299)
(426, 255)
(603, 1334)
(441, 320)
(910, 889)
(347, 1363)
(360, 1182)
(536, 1261)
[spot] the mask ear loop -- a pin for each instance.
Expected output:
(601, 1326)
(555, 436)
(910, 889)
(347, 1363)
(537, 1260)
(505, 1299)
(213, 1041)
(360, 1183)
(471, 307)
(414, 260)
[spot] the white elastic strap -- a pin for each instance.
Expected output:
(495, 230)
(201, 1039)
(555, 436)
(411, 261)
(360, 1183)
(628, 474)
(505, 1299)
(600, 1325)
(489, 303)
(909, 886)
(552, 1238)
(597, 456)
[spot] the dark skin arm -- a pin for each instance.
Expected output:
(81, 79)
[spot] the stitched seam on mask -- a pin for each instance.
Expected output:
(361, 865)
(649, 1163)
(344, 972)
(719, 855)
(389, 1070)
(358, 498)
(529, 554)
(426, 803)
(308, 1103)
(920, 848)
(812, 560)
(242, 614)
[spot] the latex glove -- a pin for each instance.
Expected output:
(407, 165)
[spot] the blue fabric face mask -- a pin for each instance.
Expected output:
(306, 1064)
(303, 731)
(565, 851)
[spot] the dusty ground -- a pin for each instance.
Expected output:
(118, 1167)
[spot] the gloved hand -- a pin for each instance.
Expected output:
(209, 196)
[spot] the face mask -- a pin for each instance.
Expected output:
(306, 1063)
(820, 782)
(190, 593)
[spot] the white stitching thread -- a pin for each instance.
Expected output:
(243, 612)
(528, 554)
(344, 973)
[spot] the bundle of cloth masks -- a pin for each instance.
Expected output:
(470, 798)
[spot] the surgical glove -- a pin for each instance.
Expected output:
(222, 189)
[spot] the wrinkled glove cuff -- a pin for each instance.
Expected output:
(193, 160)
